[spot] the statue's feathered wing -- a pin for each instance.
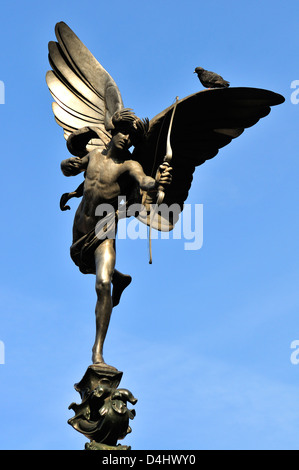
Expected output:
(85, 94)
(86, 97)
(203, 123)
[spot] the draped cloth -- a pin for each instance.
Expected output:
(82, 250)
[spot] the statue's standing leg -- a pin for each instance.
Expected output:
(105, 262)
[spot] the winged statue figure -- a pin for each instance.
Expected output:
(158, 170)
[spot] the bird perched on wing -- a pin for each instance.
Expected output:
(210, 79)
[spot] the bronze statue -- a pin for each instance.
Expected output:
(109, 173)
(99, 131)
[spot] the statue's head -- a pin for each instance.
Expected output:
(127, 124)
(121, 141)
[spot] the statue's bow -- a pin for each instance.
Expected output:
(161, 192)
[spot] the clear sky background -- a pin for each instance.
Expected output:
(203, 337)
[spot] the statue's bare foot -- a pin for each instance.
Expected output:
(103, 365)
(120, 282)
(100, 363)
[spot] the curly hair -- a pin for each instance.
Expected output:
(127, 122)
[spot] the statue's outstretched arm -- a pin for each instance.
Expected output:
(147, 183)
(74, 165)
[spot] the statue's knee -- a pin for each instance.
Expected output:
(103, 286)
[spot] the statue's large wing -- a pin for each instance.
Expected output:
(203, 123)
(85, 94)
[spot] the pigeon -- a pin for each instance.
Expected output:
(210, 79)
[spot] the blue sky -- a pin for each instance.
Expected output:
(203, 337)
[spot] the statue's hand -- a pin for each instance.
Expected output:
(71, 166)
(165, 177)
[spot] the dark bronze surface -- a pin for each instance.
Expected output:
(99, 132)
(102, 416)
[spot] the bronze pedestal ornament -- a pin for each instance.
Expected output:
(103, 415)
